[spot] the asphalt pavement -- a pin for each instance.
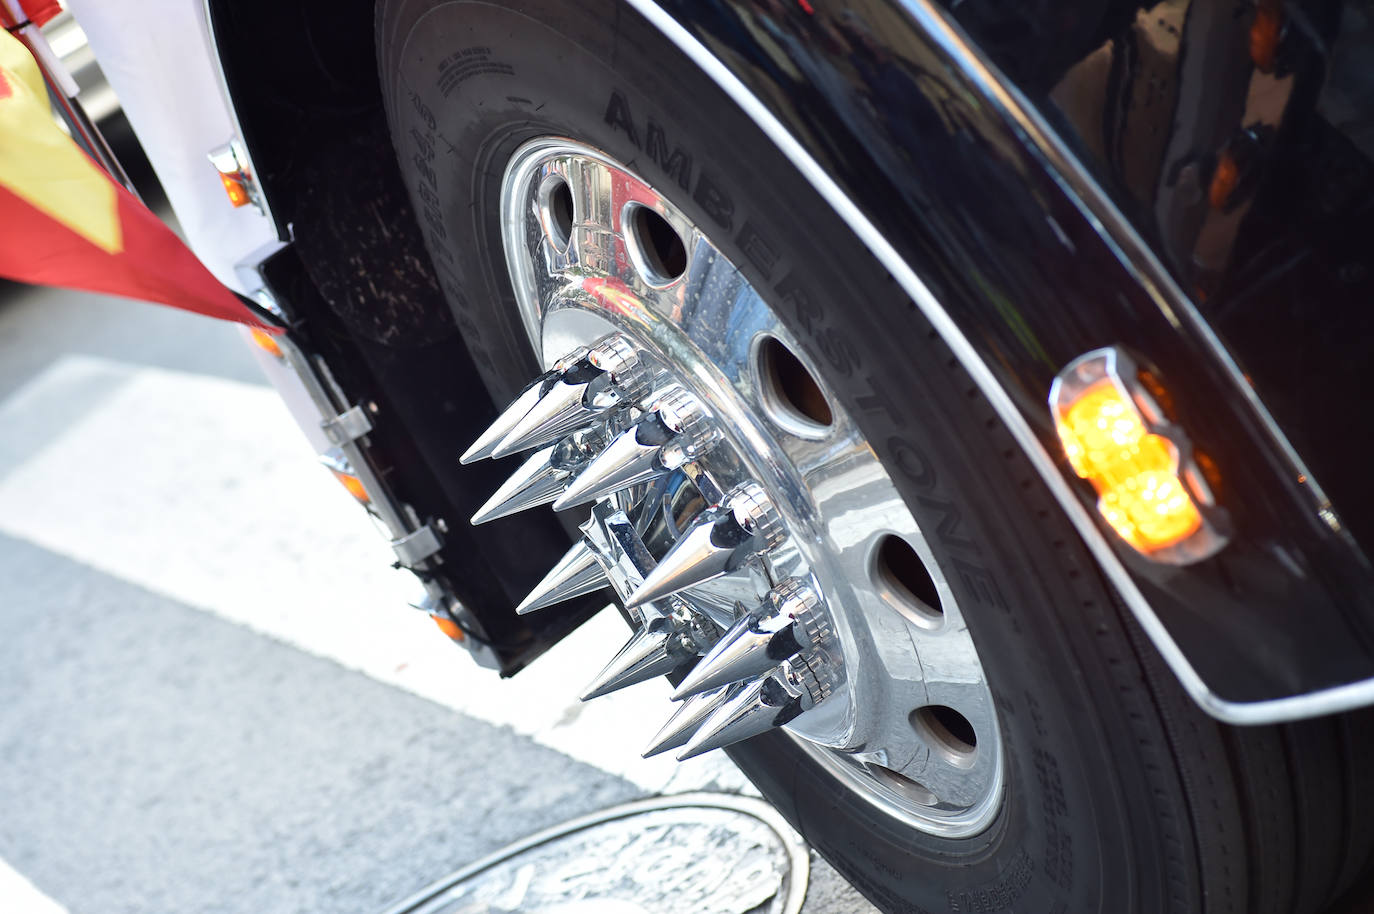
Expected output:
(214, 696)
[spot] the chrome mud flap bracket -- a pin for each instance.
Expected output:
(338, 430)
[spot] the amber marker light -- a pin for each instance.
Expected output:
(266, 342)
(343, 471)
(231, 162)
(449, 627)
(233, 186)
(1266, 30)
(1224, 180)
(1116, 436)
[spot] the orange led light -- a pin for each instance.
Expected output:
(1113, 418)
(1224, 180)
(1134, 472)
(1265, 32)
(343, 471)
(353, 484)
(238, 194)
(266, 342)
(449, 627)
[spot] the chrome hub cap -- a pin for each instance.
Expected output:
(738, 512)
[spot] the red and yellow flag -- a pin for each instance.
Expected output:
(65, 222)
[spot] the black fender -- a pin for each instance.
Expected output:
(1023, 260)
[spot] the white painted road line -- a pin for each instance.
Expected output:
(19, 896)
(203, 490)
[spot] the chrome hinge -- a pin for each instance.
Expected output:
(347, 426)
(414, 548)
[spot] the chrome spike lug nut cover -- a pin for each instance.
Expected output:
(690, 715)
(713, 546)
(692, 431)
(762, 705)
(577, 573)
(537, 482)
(631, 458)
(626, 374)
(754, 645)
(674, 431)
(653, 651)
(609, 375)
(490, 439)
(719, 542)
(754, 512)
(542, 477)
(559, 410)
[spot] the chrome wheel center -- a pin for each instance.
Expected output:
(737, 511)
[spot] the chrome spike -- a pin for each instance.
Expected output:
(759, 707)
(753, 646)
(689, 716)
(674, 432)
(651, 652)
(537, 482)
(718, 542)
(707, 550)
(631, 458)
(577, 573)
(558, 411)
(609, 374)
(488, 441)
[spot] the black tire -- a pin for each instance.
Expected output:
(1121, 796)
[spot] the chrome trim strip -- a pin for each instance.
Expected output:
(344, 425)
(1126, 244)
(388, 511)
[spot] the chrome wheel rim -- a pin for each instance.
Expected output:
(735, 507)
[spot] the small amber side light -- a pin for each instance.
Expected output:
(449, 627)
(343, 471)
(1224, 180)
(1134, 472)
(266, 342)
(1265, 32)
(1116, 436)
(354, 485)
(231, 162)
(233, 186)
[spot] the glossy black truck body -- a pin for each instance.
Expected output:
(1059, 177)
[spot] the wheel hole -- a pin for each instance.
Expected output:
(792, 395)
(907, 578)
(660, 247)
(558, 212)
(948, 732)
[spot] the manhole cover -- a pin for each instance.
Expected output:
(688, 854)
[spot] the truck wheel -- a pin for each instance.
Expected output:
(823, 533)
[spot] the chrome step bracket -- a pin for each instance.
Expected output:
(417, 546)
(347, 426)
